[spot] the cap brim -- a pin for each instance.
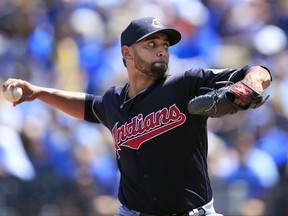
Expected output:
(174, 36)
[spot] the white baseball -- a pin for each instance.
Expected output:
(13, 96)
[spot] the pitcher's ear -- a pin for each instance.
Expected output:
(126, 52)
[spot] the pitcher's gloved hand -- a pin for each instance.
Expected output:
(220, 102)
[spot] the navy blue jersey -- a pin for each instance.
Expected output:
(161, 148)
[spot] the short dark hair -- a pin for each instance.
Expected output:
(124, 62)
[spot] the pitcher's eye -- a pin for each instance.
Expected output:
(152, 44)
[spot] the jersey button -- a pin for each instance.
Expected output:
(131, 112)
(145, 176)
(137, 153)
(155, 198)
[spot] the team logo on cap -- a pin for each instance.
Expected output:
(156, 23)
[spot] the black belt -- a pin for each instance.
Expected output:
(199, 212)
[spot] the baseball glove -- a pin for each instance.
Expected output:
(220, 102)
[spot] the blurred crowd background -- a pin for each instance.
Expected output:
(54, 165)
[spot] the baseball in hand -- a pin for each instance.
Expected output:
(13, 96)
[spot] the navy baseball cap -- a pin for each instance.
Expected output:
(141, 28)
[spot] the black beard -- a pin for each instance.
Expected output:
(158, 70)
